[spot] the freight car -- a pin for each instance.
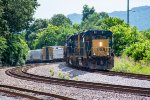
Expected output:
(91, 49)
(46, 54)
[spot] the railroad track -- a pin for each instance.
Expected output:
(22, 74)
(26, 93)
(113, 73)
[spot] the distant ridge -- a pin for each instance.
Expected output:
(139, 17)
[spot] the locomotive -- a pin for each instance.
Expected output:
(91, 49)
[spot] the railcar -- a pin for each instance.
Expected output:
(46, 54)
(91, 49)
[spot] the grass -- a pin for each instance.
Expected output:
(76, 78)
(51, 72)
(127, 65)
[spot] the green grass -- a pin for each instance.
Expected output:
(51, 72)
(127, 65)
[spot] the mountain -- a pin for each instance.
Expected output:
(139, 17)
(75, 18)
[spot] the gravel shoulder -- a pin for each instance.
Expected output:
(76, 93)
(86, 76)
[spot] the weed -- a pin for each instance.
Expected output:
(127, 65)
(51, 72)
(76, 78)
(67, 77)
(61, 76)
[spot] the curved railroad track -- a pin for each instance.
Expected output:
(22, 74)
(26, 93)
(113, 73)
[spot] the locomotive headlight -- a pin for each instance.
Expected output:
(100, 44)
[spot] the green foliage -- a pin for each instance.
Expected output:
(46, 37)
(16, 15)
(107, 23)
(38, 24)
(50, 36)
(123, 36)
(147, 34)
(127, 65)
(103, 15)
(60, 20)
(67, 77)
(16, 52)
(76, 78)
(61, 76)
(3, 46)
(90, 21)
(87, 11)
(51, 72)
(139, 51)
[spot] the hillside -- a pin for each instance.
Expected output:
(139, 17)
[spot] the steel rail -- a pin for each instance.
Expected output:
(21, 73)
(31, 91)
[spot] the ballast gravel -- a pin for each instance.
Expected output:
(76, 93)
(86, 76)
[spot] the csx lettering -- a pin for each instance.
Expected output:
(102, 49)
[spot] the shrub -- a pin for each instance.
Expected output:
(3, 46)
(123, 36)
(139, 51)
(16, 52)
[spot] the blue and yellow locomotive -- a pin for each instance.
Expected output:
(91, 49)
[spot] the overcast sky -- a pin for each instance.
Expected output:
(48, 8)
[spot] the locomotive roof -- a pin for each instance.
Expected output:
(90, 32)
(104, 32)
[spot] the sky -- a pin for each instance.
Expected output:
(48, 8)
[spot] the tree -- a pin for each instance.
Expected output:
(35, 27)
(16, 52)
(147, 34)
(46, 37)
(90, 22)
(3, 47)
(123, 37)
(103, 15)
(107, 23)
(60, 20)
(87, 11)
(16, 15)
(139, 51)
(38, 24)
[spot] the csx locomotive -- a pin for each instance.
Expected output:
(91, 49)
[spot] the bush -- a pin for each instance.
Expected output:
(3, 47)
(139, 51)
(16, 52)
(123, 36)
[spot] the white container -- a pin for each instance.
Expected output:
(35, 54)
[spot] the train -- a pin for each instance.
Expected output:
(46, 54)
(91, 49)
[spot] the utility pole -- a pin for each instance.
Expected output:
(127, 11)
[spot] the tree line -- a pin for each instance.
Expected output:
(19, 32)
